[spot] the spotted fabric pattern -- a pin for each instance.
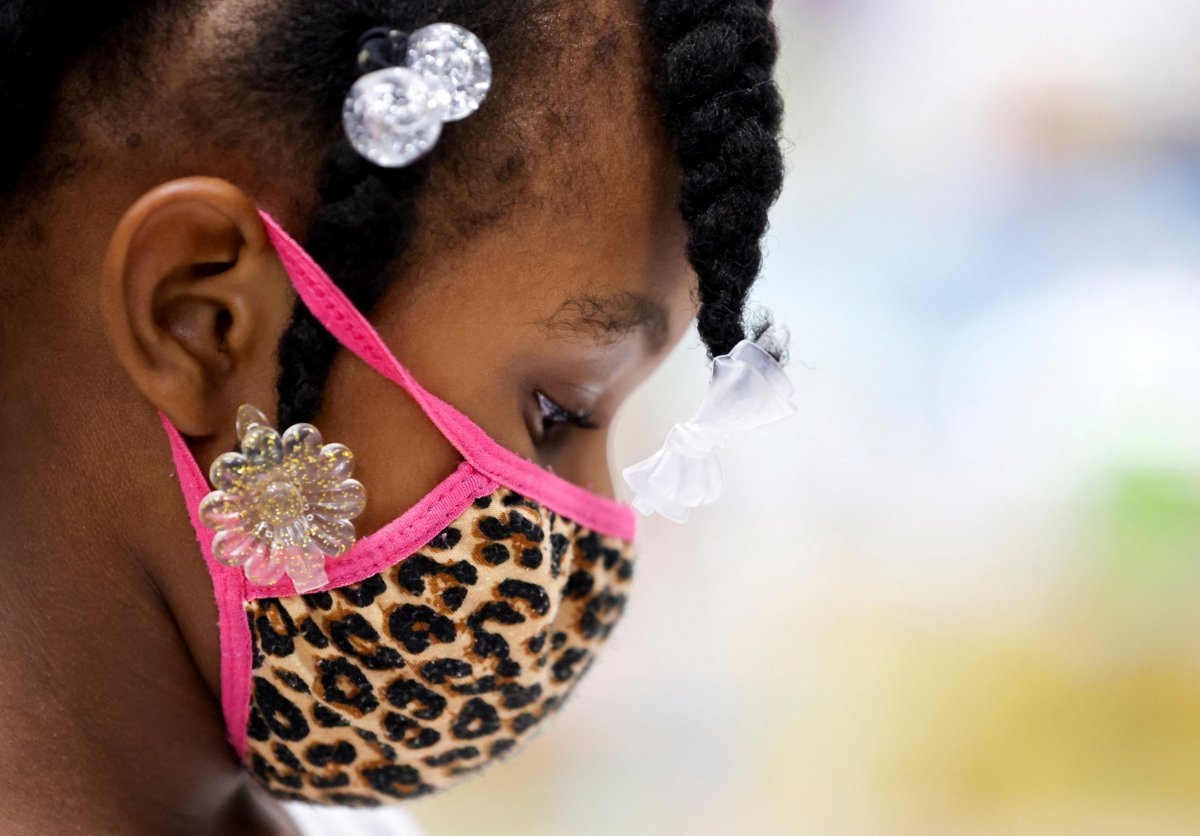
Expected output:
(415, 678)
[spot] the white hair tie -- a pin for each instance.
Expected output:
(749, 389)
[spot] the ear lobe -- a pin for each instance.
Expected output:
(195, 300)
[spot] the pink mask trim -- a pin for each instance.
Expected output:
(420, 524)
(229, 587)
(331, 307)
(370, 555)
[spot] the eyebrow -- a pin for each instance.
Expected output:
(610, 317)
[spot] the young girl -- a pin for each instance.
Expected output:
(248, 555)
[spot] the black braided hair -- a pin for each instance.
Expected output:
(724, 111)
(717, 90)
(358, 202)
(714, 61)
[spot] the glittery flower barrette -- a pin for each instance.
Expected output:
(394, 115)
(283, 504)
(749, 389)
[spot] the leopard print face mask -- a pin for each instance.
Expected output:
(439, 643)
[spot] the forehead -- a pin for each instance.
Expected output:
(597, 270)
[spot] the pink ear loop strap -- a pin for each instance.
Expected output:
(229, 588)
(331, 307)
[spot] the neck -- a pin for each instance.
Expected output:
(107, 656)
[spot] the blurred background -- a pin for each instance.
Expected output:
(960, 593)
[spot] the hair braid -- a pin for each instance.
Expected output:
(377, 210)
(718, 93)
(367, 216)
(358, 201)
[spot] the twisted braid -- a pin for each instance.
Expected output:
(361, 202)
(721, 102)
(367, 216)
(377, 209)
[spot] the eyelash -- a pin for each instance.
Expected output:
(553, 414)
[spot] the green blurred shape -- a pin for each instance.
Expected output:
(1152, 526)
(1143, 532)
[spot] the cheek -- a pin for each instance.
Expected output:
(462, 348)
(584, 461)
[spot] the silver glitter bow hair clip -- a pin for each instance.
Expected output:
(413, 85)
(749, 389)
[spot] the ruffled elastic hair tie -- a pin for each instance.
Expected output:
(749, 389)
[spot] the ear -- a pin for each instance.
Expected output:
(195, 300)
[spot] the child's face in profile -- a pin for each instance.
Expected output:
(537, 326)
(537, 329)
(541, 273)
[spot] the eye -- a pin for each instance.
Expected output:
(554, 414)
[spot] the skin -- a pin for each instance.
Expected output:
(138, 290)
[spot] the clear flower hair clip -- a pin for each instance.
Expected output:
(283, 504)
(394, 116)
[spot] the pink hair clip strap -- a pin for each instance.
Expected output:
(749, 389)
